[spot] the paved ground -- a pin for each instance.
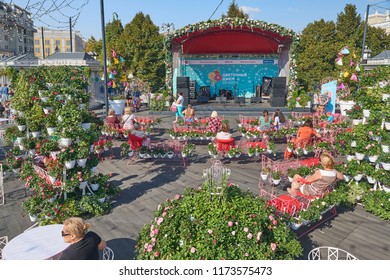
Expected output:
(147, 184)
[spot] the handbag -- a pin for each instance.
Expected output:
(173, 107)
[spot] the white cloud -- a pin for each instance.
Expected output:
(251, 11)
(293, 10)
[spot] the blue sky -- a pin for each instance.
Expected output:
(294, 14)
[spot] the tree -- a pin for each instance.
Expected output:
(377, 40)
(114, 31)
(142, 46)
(349, 27)
(235, 11)
(95, 46)
(316, 53)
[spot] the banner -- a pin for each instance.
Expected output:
(330, 90)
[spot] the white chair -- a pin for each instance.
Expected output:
(108, 254)
(3, 242)
(330, 253)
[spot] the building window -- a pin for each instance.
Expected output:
(19, 30)
(67, 50)
(25, 40)
(58, 42)
(37, 50)
(68, 42)
(5, 37)
(47, 51)
(6, 47)
(25, 49)
(37, 42)
(47, 42)
(20, 48)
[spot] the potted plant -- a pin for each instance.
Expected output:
(32, 207)
(251, 151)
(290, 173)
(373, 151)
(276, 176)
(126, 149)
(68, 156)
(21, 121)
(48, 147)
(354, 168)
(264, 173)
(188, 149)
(212, 149)
(290, 146)
(385, 161)
(54, 170)
(108, 145)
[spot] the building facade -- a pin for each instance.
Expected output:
(380, 20)
(56, 41)
(16, 30)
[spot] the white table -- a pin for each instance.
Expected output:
(38, 243)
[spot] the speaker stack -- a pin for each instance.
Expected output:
(192, 89)
(278, 95)
(183, 85)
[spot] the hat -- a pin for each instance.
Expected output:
(214, 114)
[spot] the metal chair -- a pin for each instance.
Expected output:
(3, 242)
(108, 254)
(330, 253)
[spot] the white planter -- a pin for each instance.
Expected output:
(21, 127)
(308, 104)
(19, 140)
(101, 200)
(170, 154)
(357, 121)
(47, 110)
(54, 154)
(70, 164)
(359, 156)
(81, 162)
(35, 134)
(353, 143)
(289, 150)
(82, 187)
(86, 126)
(346, 178)
(276, 181)
(93, 169)
(52, 179)
(366, 113)
(59, 97)
(131, 153)
(31, 152)
(358, 177)
(385, 148)
(346, 105)
(371, 180)
(50, 130)
(385, 188)
(65, 142)
(373, 158)
(385, 165)
(33, 218)
(387, 125)
(94, 187)
(117, 105)
(385, 96)
(290, 179)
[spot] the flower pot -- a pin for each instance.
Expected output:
(93, 169)
(54, 154)
(269, 151)
(50, 130)
(170, 154)
(94, 187)
(276, 181)
(35, 134)
(346, 178)
(385, 148)
(86, 126)
(184, 155)
(357, 121)
(373, 158)
(21, 127)
(70, 164)
(371, 180)
(251, 154)
(47, 110)
(385, 165)
(16, 171)
(290, 179)
(59, 97)
(359, 156)
(385, 96)
(101, 200)
(264, 176)
(383, 187)
(81, 162)
(387, 125)
(19, 140)
(305, 152)
(366, 113)
(33, 217)
(353, 143)
(106, 148)
(65, 142)
(289, 150)
(358, 177)
(52, 179)
(238, 155)
(117, 105)
(83, 184)
(350, 157)
(230, 156)
(81, 106)
(130, 153)
(31, 152)
(346, 105)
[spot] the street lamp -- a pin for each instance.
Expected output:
(104, 53)
(167, 27)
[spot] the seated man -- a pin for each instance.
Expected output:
(320, 182)
(189, 114)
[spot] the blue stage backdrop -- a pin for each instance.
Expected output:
(239, 75)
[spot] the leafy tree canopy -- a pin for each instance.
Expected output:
(235, 11)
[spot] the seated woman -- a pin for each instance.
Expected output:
(128, 119)
(304, 134)
(140, 134)
(224, 133)
(112, 120)
(189, 114)
(264, 121)
(320, 182)
(214, 123)
(278, 120)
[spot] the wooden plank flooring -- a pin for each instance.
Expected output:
(145, 184)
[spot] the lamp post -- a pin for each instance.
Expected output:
(168, 27)
(365, 30)
(104, 53)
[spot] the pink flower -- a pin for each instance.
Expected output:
(177, 196)
(152, 233)
(159, 221)
(270, 217)
(249, 236)
(150, 248)
(146, 245)
(246, 229)
(210, 231)
(157, 254)
(274, 222)
(246, 255)
(259, 235)
(230, 223)
(233, 232)
(156, 231)
(163, 214)
(273, 246)
(193, 250)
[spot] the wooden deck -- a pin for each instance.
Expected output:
(147, 184)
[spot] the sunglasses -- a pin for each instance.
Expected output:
(63, 234)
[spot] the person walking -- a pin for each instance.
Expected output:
(179, 106)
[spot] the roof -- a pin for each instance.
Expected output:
(69, 56)
(382, 55)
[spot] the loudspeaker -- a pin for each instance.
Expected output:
(279, 82)
(258, 91)
(278, 93)
(192, 89)
(182, 82)
(278, 102)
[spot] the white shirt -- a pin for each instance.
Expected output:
(223, 135)
(179, 101)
